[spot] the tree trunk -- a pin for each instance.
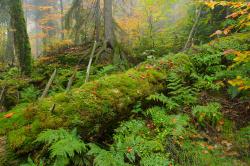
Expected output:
(62, 21)
(10, 48)
(108, 23)
(97, 20)
(21, 38)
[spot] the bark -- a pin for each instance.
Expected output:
(21, 38)
(97, 20)
(108, 23)
(10, 48)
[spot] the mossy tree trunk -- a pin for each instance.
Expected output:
(21, 38)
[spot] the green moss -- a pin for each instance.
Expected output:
(17, 138)
(16, 121)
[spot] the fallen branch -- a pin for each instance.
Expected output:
(90, 62)
(71, 79)
(2, 95)
(198, 14)
(46, 90)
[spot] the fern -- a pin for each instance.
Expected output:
(166, 101)
(67, 147)
(177, 94)
(169, 125)
(209, 114)
(31, 163)
(50, 136)
(106, 158)
(156, 160)
(64, 145)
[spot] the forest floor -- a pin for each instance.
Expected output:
(175, 110)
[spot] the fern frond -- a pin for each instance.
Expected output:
(49, 136)
(67, 147)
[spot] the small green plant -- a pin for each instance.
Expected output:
(29, 94)
(103, 157)
(106, 70)
(209, 114)
(31, 163)
(242, 140)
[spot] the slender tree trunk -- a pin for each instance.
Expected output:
(198, 14)
(62, 19)
(21, 38)
(97, 20)
(108, 23)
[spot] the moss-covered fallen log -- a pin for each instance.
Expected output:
(92, 107)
